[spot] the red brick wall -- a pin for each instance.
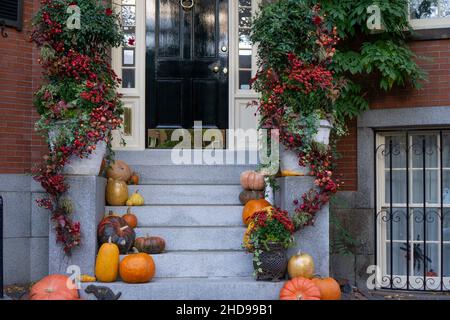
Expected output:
(19, 76)
(434, 92)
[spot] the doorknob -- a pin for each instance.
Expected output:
(216, 69)
(225, 70)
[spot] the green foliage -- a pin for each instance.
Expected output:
(343, 242)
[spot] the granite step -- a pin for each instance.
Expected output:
(185, 216)
(197, 238)
(224, 288)
(179, 194)
(190, 174)
(185, 264)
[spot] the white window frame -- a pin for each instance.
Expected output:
(382, 241)
(134, 97)
(429, 23)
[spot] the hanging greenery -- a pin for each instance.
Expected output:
(78, 102)
(317, 60)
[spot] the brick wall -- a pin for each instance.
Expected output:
(19, 76)
(434, 92)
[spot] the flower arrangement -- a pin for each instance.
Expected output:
(78, 102)
(270, 225)
(298, 89)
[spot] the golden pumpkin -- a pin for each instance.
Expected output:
(116, 192)
(107, 263)
(137, 268)
(301, 265)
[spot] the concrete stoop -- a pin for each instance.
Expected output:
(196, 289)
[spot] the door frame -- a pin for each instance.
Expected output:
(239, 116)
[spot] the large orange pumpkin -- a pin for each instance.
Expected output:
(251, 207)
(137, 268)
(53, 287)
(251, 180)
(329, 288)
(300, 289)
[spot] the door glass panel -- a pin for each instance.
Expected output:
(205, 28)
(169, 28)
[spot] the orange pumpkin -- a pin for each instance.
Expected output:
(300, 289)
(53, 287)
(137, 268)
(134, 179)
(130, 219)
(251, 207)
(119, 170)
(251, 180)
(329, 288)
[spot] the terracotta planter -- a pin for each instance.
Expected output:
(273, 263)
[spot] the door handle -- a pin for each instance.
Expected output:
(216, 69)
(225, 70)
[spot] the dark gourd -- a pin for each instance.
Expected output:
(117, 229)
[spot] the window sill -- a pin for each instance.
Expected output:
(429, 34)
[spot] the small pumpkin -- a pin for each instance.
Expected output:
(130, 219)
(301, 265)
(137, 268)
(150, 245)
(135, 199)
(329, 288)
(300, 289)
(53, 287)
(247, 195)
(134, 179)
(251, 180)
(107, 262)
(251, 207)
(119, 170)
(115, 229)
(87, 278)
(116, 192)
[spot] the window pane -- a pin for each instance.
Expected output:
(398, 186)
(431, 223)
(244, 79)
(446, 150)
(129, 15)
(446, 259)
(245, 14)
(128, 78)
(431, 186)
(431, 256)
(398, 151)
(431, 151)
(446, 226)
(398, 224)
(398, 258)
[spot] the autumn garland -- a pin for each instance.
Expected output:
(78, 100)
(314, 82)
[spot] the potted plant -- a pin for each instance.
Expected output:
(78, 102)
(268, 236)
(297, 87)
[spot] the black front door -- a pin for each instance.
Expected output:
(187, 63)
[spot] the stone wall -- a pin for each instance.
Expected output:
(26, 229)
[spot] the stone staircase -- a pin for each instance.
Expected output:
(196, 209)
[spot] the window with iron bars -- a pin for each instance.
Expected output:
(412, 217)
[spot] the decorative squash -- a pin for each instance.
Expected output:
(116, 192)
(134, 179)
(329, 288)
(251, 180)
(107, 262)
(300, 289)
(115, 228)
(301, 265)
(130, 219)
(53, 287)
(135, 200)
(87, 278)
(119, 170)
(251, 207)
(247, 195)
(150, 245)
(137, 268)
